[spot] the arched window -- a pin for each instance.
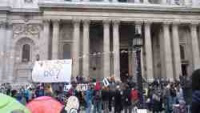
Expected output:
(66, 51)
(26, 53)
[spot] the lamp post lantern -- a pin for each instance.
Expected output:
(137, 45)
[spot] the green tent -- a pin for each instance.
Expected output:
(9, 104)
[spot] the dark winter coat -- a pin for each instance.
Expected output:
(127, 97)
(157, 102)
(105, 95)
(196, 102)
(118, 101)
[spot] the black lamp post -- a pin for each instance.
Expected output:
(137, 45)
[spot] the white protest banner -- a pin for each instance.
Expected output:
(52, 71)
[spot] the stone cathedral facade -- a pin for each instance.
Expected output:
(97, 35)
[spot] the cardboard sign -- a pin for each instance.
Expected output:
(52, 71)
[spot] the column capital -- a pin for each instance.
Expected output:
(167, 23)
(145, 1)
(139, 22)
(175, 23)
(194, 24)
(46, 20)
(116, 21)
(108, 21)
(148, 22)
(2, 24)
(77, 20)
(86, 21)
(55, 20)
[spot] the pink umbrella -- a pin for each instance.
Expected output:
(44, 104)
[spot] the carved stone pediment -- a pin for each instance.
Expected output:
(28, 30)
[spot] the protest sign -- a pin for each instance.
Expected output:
(67, 87)
(136, 110)
(105, 82)
(142, 111)
(52, 71)
(82, 87)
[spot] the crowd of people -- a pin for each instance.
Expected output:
(158, 96)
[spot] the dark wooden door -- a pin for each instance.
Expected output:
(123, 64)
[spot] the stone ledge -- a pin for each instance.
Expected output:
(5, 8)
(116, 6)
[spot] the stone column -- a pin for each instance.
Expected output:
(75, 0)
(176, 51)
(106, 48)
(116, 47)
(173, 2)
(45, 41)
(167, 52)
(2, 54)
(187, 2)
(195, 46)
(106, 1)
(55, 40)
(86, 44)
(164, 2)
(86, 0)
(76, 47)
(11, 70)
(148, 51)
(161, 52)
(136, 1)
(138, 27)
(9, 57)
(146, 1)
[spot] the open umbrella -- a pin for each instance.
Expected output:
(44, 104)
(9, 104)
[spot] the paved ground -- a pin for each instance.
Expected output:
(83, 111)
